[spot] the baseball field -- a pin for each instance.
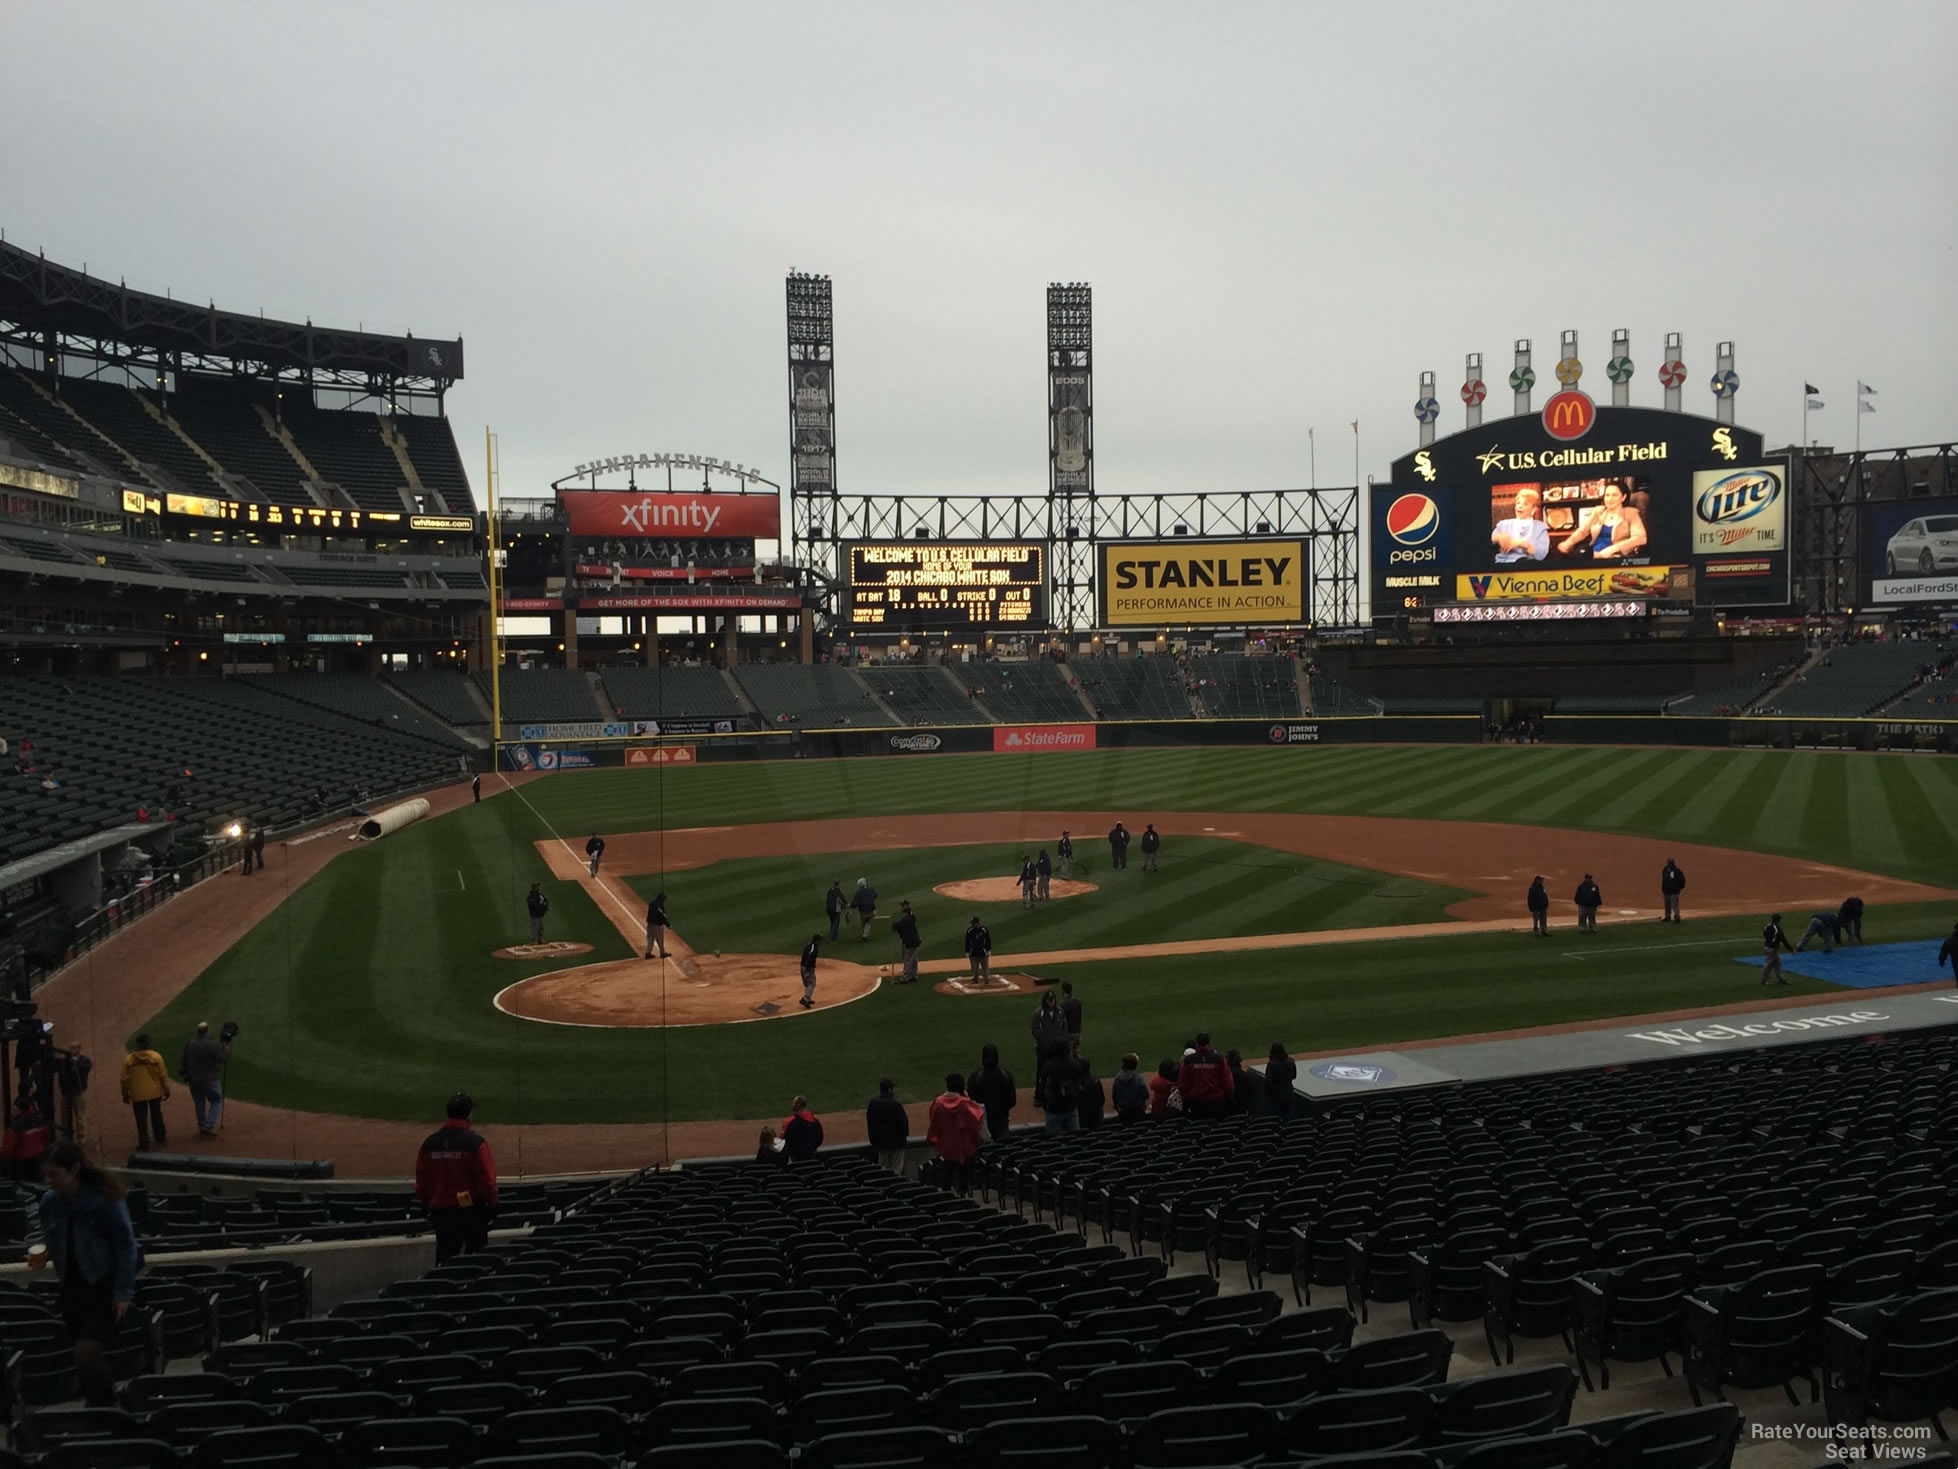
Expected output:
(1323, 897)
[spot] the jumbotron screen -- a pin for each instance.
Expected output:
(947, 586)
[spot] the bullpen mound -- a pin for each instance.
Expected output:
(1007, 889)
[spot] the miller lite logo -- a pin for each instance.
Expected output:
(1414, 526)
(1569, 415)
(1739, 510)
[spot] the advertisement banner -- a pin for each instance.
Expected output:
(564, 760)
(660, 755)
(1910, 550)
(677, 601)
(672, 517)
(1529, 586)
(682, 726)
(814, 439)
(917, 744)
(1739, 510)
(1202, 583)
(589, 731)
(1044, 737)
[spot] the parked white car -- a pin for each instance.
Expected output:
(1924, 546)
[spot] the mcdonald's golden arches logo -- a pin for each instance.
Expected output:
(1569, 415)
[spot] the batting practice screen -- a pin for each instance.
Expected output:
(946, 586)
(1202, 583)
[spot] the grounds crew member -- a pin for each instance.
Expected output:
(202, 1070)
(865, 902)
(1118, 846)
(538, 905)
(1151, 844)
(1029, 881)
(146, 1087)
(1044, 870)
(833, 904)
(1774, 941)
(1589, 900)
(1825, 926)
(1850, 916)
(811, 951)
(1538, 902)
(595, 849)
(979, 949)
(1065, 851)
(455, 1179)
(1672, 882)
(656, 925)
(476, 787)
(905, 927)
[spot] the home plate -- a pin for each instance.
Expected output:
(1000, 984)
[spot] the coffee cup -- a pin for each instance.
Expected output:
(37, 1256)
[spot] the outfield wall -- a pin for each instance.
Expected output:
(1437, 729)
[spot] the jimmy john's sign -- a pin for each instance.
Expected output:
(1202, 583)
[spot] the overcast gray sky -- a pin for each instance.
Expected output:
(1287, 211)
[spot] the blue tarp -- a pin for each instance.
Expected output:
(1866, 966)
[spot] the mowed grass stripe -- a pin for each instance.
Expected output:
(1877, 839)
(1674, 794)
(1930, 845)
(1778, 826)
(1826, 817)
(1732, 822)
(1622, 788)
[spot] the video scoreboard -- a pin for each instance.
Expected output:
(947, 586)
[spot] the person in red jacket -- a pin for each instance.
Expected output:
(956, 1128)
(1205, 1081)
(455, 1179)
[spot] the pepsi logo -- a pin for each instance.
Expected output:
(1413, 520)
(1414, 525)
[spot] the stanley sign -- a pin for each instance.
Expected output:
(1202, 583)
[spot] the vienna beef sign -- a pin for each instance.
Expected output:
(672, 516)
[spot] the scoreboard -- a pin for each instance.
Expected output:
(946, 586)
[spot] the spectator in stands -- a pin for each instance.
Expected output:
(1065, 851)
(1151, 844)
(1118, 841)
(476, 787)
(1049, 1027)
(455, 1180)
(1093, 1099)
(905, 928)
(1588, 900)
(769, 1150)
(27, 1138)
(887, 1126)
(1057, 1091)
(1071, 1013)
(1242, 1091)
(257, 856)
(1672, 882)
(802, 1134)
(1029, 881)
(656, 925)
(595, 851)
(1043, 869)
(1165, 1096)
(72, 1069)
(1825, 926)
(833, 904)
(993, 1088)
(864, 900)
(979, 950)
(88, 1238)
(146, 1087)
(1850, 917)
(1774, 941)
(1538, 903)
(811, 952)
(1281, 1071)
(955, 1128)
(538, 905)
(202, 1070)
(1205, 1080)
(1130, 1092)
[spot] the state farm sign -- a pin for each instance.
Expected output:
(673, 517)
(1044, 737)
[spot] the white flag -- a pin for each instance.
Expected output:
(1814, 403)
(1865, 389)
(1867, 407)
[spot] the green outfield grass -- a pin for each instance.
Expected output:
(1205, 887)
(369, 991)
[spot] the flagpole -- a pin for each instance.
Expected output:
(1859, 419)
(1356, 453)
(1312, 447)
(1805, 415)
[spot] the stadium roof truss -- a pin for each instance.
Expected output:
(56, 313)
(1830, 492)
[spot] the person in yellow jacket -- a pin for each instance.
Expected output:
(146, 1087)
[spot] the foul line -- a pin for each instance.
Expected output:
(603, 887)
(1650, 948)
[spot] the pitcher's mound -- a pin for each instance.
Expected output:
(703, 990)
(1000, 984)
(560, 949)
(1007, 889)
